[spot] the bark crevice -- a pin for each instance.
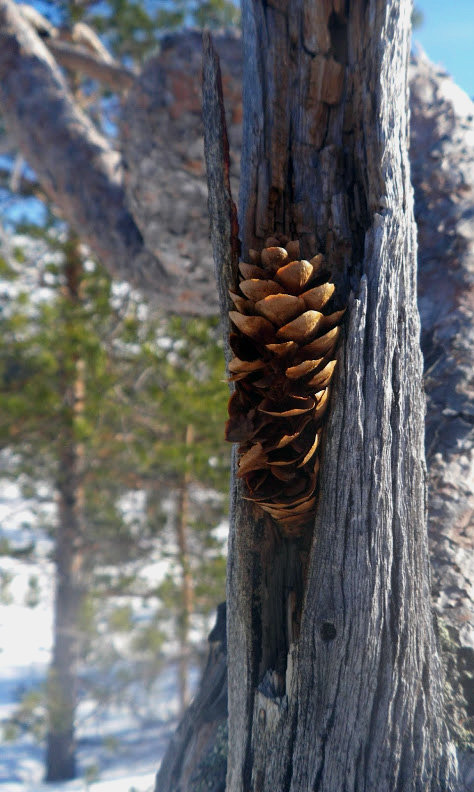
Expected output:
(348, 194)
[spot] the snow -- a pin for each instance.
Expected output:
(143, 782)
(118, 748)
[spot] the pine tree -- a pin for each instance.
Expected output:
(98, 409)
(95, 403)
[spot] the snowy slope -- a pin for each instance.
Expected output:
(117, 750)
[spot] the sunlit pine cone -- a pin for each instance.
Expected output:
(284, 345)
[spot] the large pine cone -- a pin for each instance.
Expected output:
(284, 360)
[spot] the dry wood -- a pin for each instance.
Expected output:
(343, 691)
(222, 210)
(436, 119)
(197, 753)
(79, 49)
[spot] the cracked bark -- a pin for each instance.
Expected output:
(325, 160)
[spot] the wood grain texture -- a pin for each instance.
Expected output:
(442, 166)
(222, 210)
(196, 756)
(361, 703)
(442, 158)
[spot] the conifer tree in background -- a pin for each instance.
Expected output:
(95, 404)
(187, 436)
(70, 528)
(70, 390)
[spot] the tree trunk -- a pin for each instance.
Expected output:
(197, 755)
(442, 161)
(69, 597)
(18, 63)
(334, 677)
(182, 519)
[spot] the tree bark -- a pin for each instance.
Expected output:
(187, 593)
(197, 754)
(352, 698)
(442, 162)
(443, 233)
(69, 595)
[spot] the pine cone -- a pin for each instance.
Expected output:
(284, 360)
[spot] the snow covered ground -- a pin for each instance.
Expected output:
(118, 750)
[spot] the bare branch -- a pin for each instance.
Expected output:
(78, 59)
(20, 185)
(79, 49)
(84, 36)
(43, 26)
(74, 163)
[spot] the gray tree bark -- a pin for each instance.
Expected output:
(69, 559)
(442, 159)
(197, 756)
(334, 676)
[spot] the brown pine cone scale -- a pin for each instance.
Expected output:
(283, 341)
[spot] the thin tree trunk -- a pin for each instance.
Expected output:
(182, 520)
(62, 686)
(352, 698)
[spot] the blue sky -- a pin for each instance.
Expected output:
(447, 36)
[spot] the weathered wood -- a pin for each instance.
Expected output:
(444, 234)
(163, 152)
(222, 210)
(79, 49)
(198, 750)
(80, 60)
(442, 160)
(362, 705)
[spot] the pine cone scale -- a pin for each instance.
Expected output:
(283, 344)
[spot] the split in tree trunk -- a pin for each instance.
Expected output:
(353, 699)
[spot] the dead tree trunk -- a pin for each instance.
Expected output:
(69, 596)
(197, 754)
(325, 160)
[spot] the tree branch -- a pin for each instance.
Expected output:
(78, 59)
(19, 184)
(79, 49)
(73, 161)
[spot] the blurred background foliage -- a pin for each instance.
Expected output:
(112, 414)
